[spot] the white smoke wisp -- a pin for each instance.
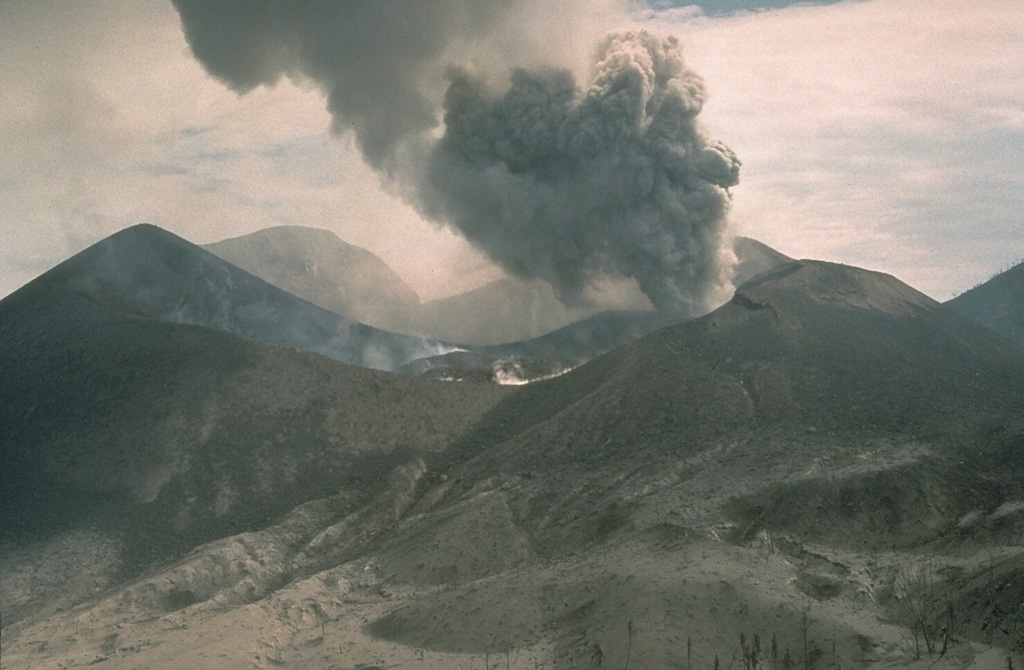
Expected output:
(570, 184)
(564, 182)
(516, 372)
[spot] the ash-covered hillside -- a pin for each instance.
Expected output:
(831, 464)
(828, 416)
(149, 273)
(157, 436)
(997, 304)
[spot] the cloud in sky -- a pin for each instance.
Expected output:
(885, 133)
(724, 7)
(108, 120)
(554, 177)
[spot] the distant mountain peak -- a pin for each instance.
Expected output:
(145, 271)
(320, 267)
(130, 270)
(288, 234)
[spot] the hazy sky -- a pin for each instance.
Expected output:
(883, 133)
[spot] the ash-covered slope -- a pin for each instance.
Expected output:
(570, 345)
(827, 412)
(812, 352)
(542, 357)
(317, 266)
(810, 344)
(997, 304)
(148, 272)
(810, 463)
(151, 437)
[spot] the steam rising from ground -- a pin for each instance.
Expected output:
(554, 180)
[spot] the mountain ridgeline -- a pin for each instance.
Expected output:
(997, 303)
(828, 468)
(319, 267)
(148, 273)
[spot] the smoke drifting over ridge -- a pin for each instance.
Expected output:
(553, 179)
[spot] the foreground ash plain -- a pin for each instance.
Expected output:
(831, 460)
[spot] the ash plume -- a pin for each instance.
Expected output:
(553, 178)
(568, 183)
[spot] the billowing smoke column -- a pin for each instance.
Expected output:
(566, 184)
(551, 179)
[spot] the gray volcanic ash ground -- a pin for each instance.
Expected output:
(827, 471)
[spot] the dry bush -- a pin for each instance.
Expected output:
(924, 603)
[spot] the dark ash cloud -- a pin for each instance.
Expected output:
(568, 183)
(554, 179)
(373, 60)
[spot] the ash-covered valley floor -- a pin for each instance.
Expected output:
(825, 472)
